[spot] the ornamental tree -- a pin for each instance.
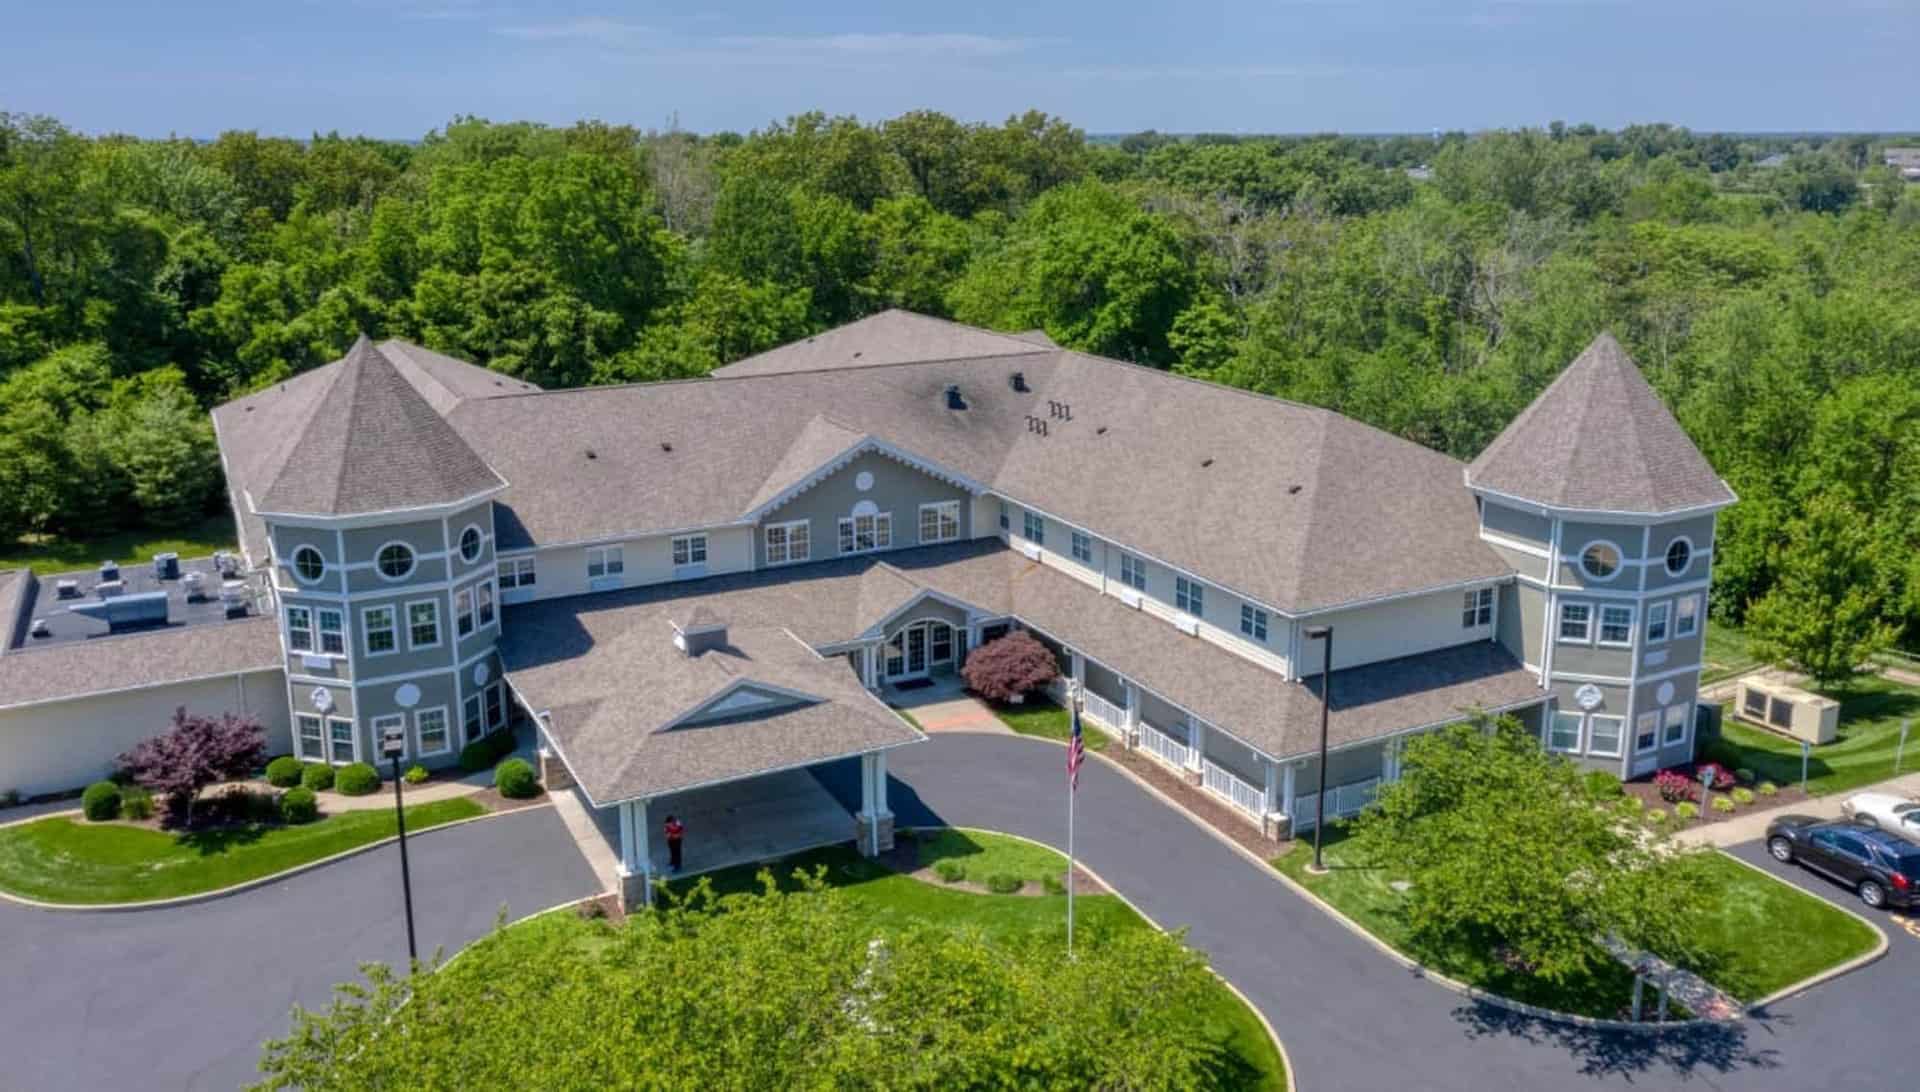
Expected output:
(194, 753)
(1823, 613)
(1009, 666)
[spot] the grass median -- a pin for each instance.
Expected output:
(1871, 711)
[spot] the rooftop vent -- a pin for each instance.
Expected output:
(1292, 489)
(166, 566)
(591, 455)
(701, 631)
(1018, 380)
(1101, 431)
(39, 628)
(226, 564)
(1206, 462)
(666, 445)
(954, 401)
(856, 354)
(127, 611)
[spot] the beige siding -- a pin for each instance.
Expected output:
(562, 571)
(1386, 631)
(64, 745)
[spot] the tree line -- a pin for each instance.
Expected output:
(1431, 286)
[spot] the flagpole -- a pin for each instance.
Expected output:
(1072, 791)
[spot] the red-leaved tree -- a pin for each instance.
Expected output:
(196, 752)
(1009, 666)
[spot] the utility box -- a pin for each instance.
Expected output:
(1788, 710)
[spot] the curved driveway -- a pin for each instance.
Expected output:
(183, 998)
(1352, 1018)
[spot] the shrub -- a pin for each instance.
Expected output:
(357, 779)
(1673, 785)
(415, 774)
(1723, 804)
(1055, 885)
(1009, 666)
(299, 805)
(514, 778)
(1602, 785)
(195, 753)
(251, 805)
(950, 870)
(136, 803)
(316, 777)
(101, 801)
(1768, 788)
(500, 743)
(1744, 776)
(476, 756)
(1686, 810)
(284, 772)
(1632, 804)
(1004, 883)
(1743, 795)
(1659, 816)
(1722, 779)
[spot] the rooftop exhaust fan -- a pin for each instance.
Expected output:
(954, 401)
(1019, 382)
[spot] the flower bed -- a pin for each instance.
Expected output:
(1662, 793)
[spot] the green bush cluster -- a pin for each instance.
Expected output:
(101, 801)
(1055, 885)
(136, 803)
(1743, 795)
(1723, 804)
(1632, 805)
(1768, 788)
(1744, 776)
(1602, 785)
(515, 780)
(299, 805)
(1004, 883)
(415, 774)
(1687, 810)
(482, 753)
(950, 870)
(1659, 816)
(284, 772)
(316, 777)
(357, 779)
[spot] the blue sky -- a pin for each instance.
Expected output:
(397, 68)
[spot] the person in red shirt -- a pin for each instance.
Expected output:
(675, 831)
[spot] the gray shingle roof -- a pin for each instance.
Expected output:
(74, 669)
(890, 337)
(1599, 439)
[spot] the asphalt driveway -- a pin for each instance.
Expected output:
(183, 998)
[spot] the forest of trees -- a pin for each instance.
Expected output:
(1770, 287)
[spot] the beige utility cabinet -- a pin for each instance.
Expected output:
(1788, 709)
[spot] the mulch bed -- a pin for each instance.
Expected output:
(1217, 815)
(491, 800)
(1649, 795)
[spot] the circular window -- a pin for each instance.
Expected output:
(308, 565)
(395, 560)
(1600, 560)
(470, 544)
(1679, 556)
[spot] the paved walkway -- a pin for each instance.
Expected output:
(1753, 825)
(946, 707)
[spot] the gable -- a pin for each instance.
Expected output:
(745, 701)
(869, 483)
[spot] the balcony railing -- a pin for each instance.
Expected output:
(1163, 746)
(1342, 801)
(1103, 712)
(1229, 787)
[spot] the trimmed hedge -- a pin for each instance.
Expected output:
(950, 870)
(514, 778)
(1004, 883)
(357, 779)
(284, 772)
(299, 805)
(482, 753)
(415, 774)
(316, 777)
(136, 803)
(101, 801)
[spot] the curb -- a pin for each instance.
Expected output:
(1293, 1080)
(1805, 984)
(258, 881)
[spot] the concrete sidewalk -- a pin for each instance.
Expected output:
(1753, 825)
(945, 707)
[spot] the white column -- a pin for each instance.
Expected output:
(1133, 709)
(1196, 741)
(1286, 787)
(636, 849)
(629, 840)
(1272, 785)
(1077, 666)
(1387, 750)
(880, 784)
(868, 656)
(867, 764)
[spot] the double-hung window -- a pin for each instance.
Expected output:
(516, 572)
(787, 542)
(340, 746)
(497, 706)
(472, 724)
(1563, 732)
(866, 533)
(1477, 609)
(483, 602)
(1686, 616)
(1676, 725)
(1035, 527)
(689, 550)
(1082, 545)
(1616, 624)
(378, 627)
(1253, 622)
(333, 631)
(1189, 596)
(939, 522)
(1657, 622)
(1576, 622)
(605, 561)
(463, 611)
(430, 732)
(300, 629)
(1646, 732)
(1603, 735)
(1133, 572)
(423, 624)
(309, 738)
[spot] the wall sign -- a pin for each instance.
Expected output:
(1589, 696)
(406, 695)
(322, 698)
(481, 673)
(1664, 695)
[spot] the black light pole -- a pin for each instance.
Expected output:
(394, 744)
(1323, 634)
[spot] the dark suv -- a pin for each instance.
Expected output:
(1882, 868)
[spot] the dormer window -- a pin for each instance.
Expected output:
(395, 561)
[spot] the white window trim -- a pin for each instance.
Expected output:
(310, 629)
(1599, 625)
(367, 630)
(413, 561)
(849, 532)
(1580, 561)
(1592, 624)
(1135, 564)
(606, 555)
(1074, 541)
(460, 543)
(446, 724)
(1033, 527)
(1665, 610)
(1619, 735)
(517, 566)
(1673, 626)
(1666, 565)
(492, 604)
(293, 565)
(1194, 592)
(940, 509)
(1252, 620)
(1658, 727)
(1481, 599)
(439, 625)
(787, 545)
(674, 549)
(1579, 732)
(379, 726)
(298, 739)
(353, 729)
(491, 689)
(1686, 725)
(463, 617)
(320, 631)
(479, 699)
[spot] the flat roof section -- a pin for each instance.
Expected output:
(41, 599)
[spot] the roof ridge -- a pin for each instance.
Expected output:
(416, 366)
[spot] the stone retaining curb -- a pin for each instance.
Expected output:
(1474, 992)
(258, 881)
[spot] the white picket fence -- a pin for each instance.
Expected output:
(1163, 746)
(1228, 786)
(1109, 715)
(1342, 801)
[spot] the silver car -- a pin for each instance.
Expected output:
(1885, 811)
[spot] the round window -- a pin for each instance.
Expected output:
(1600, 560)
(308, 565)
(394, 561)
(470, 544)
(1679, 556)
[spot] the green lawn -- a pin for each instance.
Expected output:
(888, 895)
(1726, 653)
(63, 860)
(982, 854)
(1039, 716)
(52, 554)
(1760, 935)
(1871, 709)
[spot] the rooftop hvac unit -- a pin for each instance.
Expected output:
(143, 609)
(67, 588)
(1788, 709)
(39, 628)
(226, 564)
(196, 585)
(233, 596)
(107, 589)
(166, 566)
(109, 572)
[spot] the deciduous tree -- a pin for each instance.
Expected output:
(197, 751)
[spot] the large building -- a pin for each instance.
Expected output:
(698, 583)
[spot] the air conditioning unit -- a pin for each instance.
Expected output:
(1130, 597)
(1788, 709)
(1187, 624)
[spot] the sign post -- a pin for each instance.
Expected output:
(1806, 750)
(1900, 752)
(1705, 774)
(393, 745)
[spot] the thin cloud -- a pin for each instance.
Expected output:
(587, 29)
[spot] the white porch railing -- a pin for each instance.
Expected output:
(1342, 801)
(1099, 709)
(1163, 746)
(1230, 787)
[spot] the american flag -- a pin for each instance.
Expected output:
(1076, 752)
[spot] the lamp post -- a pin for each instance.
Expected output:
(1323, 634)
(393, 744)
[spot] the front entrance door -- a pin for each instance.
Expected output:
(917, 649)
